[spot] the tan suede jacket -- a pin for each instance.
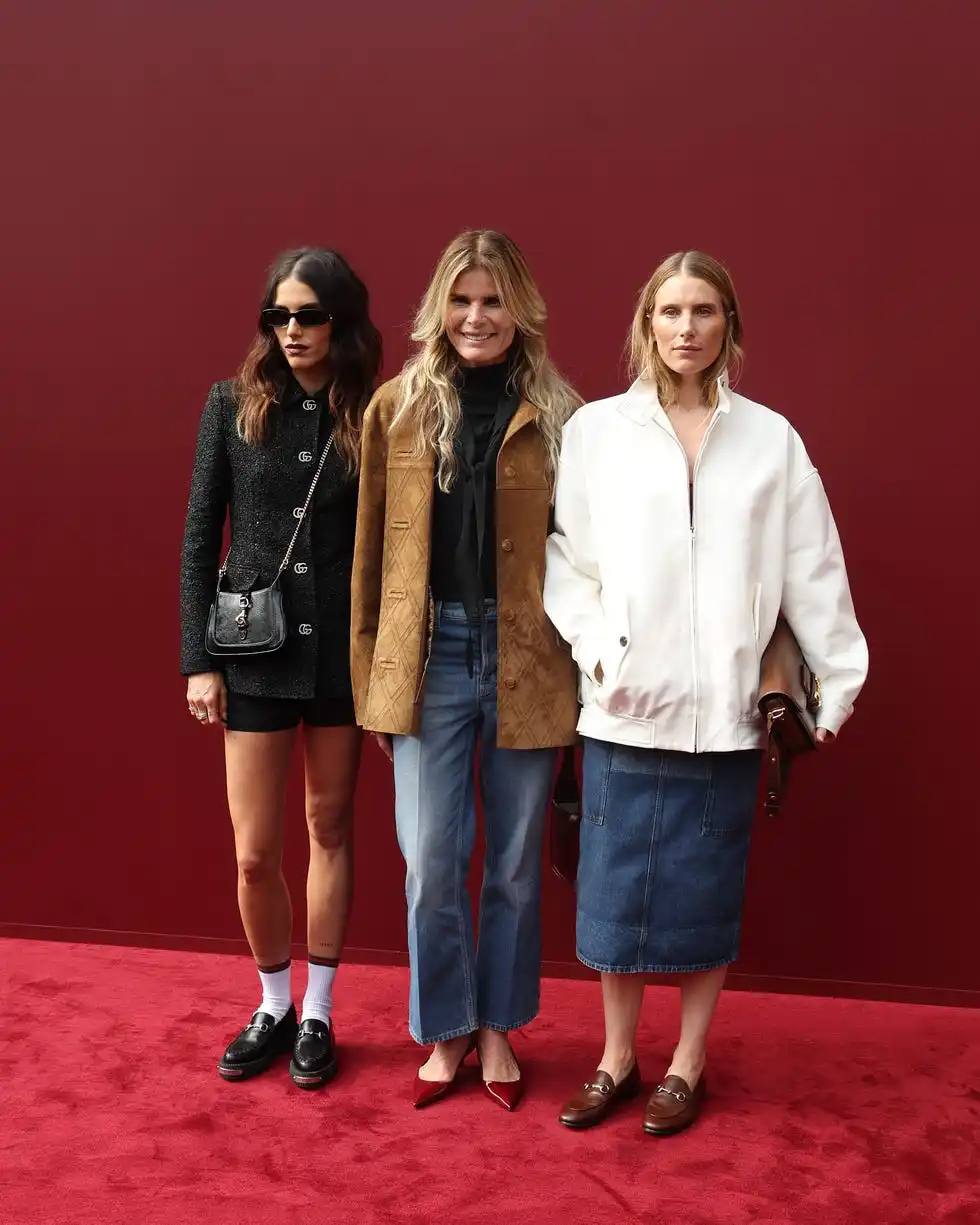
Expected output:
(391, 605)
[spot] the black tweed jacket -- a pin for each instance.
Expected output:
(260, 488)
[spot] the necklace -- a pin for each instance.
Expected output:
(681, 415)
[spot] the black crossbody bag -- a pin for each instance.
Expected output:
(244, 623)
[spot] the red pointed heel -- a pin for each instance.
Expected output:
(506, 1093)
(425, 1092)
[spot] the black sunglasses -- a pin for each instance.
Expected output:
(306, 317)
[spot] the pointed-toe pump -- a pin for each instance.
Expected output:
(506, 1093)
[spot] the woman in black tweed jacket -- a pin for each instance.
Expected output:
(310, 371)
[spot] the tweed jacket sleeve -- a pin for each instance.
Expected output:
(203, 529)
(369, 547)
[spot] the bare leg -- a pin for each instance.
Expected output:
(445, 1059)
(699, 999)
(622, 999)
(332, 758)
(257, 767)
(497, 1057)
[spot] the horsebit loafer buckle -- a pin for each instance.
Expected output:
(681, 1096)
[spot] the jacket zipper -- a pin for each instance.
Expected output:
(691, 478)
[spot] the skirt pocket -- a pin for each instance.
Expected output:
(596, 765)
(730, 800)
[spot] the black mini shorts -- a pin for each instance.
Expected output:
(247, 713)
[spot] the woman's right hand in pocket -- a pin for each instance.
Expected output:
(207, 697)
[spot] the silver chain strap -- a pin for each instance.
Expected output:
(299, 518)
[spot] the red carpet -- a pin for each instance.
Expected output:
(110, 1110)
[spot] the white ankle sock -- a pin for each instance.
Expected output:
(277, 992)
(318, 1000)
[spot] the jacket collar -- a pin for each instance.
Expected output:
(292, 394)
(642, 404)
(526, 413)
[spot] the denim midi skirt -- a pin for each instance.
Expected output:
(664, 849)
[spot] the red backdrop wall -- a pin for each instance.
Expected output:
(157, 157)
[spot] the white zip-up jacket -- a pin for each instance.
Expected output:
(675, 588)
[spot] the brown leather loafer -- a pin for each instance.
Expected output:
(673, 1105)
(598, 1096)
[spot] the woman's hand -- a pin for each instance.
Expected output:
(207, 697)
(383, 741)
(824, 737)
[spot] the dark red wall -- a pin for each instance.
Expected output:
(158, 155)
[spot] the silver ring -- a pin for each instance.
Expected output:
(203, 716)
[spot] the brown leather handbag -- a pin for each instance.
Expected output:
(789, 698)
(566, 819)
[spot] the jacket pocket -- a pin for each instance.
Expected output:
(613, 659)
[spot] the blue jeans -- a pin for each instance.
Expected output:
(458, 984)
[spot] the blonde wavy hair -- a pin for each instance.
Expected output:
(644, 357)
(428, 393)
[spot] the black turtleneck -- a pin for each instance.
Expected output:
(464, 563)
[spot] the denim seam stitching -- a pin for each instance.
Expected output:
(654, 969)
(651, 860)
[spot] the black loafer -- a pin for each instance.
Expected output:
(314, 1059)
(260, 1042)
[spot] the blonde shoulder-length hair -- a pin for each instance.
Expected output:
(428, 394)
(645, 360)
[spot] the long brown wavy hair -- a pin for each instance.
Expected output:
(645, 359)
(354, 358)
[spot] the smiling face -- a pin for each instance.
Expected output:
(688, 321)
(307, 349)
(478, 327)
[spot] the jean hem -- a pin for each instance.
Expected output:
(446, 1037)
(701, 968)
(503, 1029)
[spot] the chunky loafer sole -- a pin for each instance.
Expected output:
(256, 1053)
(242, 1071)
(313, 1078)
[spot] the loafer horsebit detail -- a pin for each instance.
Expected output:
(678, 1094)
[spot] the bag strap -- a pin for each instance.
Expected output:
(299, 518)
(776, 775)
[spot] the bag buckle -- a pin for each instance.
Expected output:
(773, 716)
(242, 619)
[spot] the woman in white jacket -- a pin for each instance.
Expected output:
(687, 518)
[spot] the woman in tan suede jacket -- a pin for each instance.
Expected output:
(451, 647)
